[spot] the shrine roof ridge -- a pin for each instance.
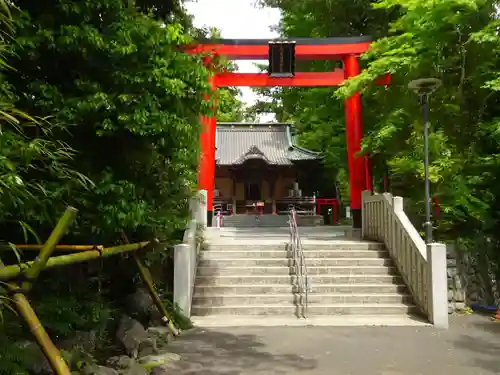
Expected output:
(253, 124)
(299, 41)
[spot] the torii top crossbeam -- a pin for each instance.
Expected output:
(306, 48)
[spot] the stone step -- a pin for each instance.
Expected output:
(323, 246)
(313, 299)
(366, 320)
(284, 262)
(253, 221)
(250, 221)
(245, 218)
(291, 280)
(362, 288)
(308, 254)
(318, 309)
(253, 224)
(311, 271)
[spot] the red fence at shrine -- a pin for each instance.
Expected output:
(346, 50)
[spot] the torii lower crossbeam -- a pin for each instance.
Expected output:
(301, 79)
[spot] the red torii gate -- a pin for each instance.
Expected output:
(346, 49)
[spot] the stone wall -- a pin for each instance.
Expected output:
(456, 284)
(468, 281)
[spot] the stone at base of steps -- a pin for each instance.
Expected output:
(291, 309)
(317, 321)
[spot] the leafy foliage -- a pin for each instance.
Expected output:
(14, 361)
(126, 99)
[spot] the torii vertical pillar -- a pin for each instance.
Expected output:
(206, 174)
(354, 135)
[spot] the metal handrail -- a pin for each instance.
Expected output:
(299, 259)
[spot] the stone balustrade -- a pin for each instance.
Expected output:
(186, 254)
(422, 267)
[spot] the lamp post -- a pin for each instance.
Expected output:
(424, 87)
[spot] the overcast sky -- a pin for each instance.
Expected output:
(236, 19)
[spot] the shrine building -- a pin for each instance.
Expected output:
(259, 168)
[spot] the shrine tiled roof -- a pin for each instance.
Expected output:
(272, 143)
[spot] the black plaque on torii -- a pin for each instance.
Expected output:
(281, 58)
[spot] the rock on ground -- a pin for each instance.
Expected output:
(119, 362)
(134, 338)
(162, 335)
(139, 304)
(135, 369)
(99, 370)
(85, 341)
(160, 370)
(152, 361)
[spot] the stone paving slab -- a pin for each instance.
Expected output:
(470, 347)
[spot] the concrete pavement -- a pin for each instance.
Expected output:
(470, 347)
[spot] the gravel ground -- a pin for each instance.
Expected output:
(470, 347)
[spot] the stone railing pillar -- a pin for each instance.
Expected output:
(437, 285)
(201, 212)
(364, 215)
(182, 278)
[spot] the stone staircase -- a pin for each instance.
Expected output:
(267, 221)
(253, 276)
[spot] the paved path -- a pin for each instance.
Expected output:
(470, 347)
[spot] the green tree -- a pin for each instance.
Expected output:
(413, 39)
(28, 164)
(435, 39)
(120, 142)
(125, 98)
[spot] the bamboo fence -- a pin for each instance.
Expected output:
(20, 278)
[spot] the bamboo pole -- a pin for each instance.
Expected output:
(12, 271)
(147, 280)
(48, 248)
(62, 247)
(48, 348)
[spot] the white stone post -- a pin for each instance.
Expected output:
(183, 269)
(201, 215)
(397, 204)
(364, 215)
(437, 285)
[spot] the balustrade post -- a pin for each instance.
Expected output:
(365, 195)
(437, 285)
(397, 207)
(201, 214)
(183, 271)
(397, 204)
